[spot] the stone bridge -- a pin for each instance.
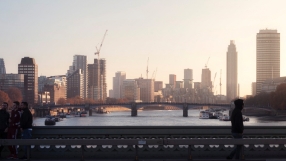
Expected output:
(133, 106)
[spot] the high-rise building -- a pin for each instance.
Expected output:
(179, 84)
(97, 86)
(2, 66)
(206, 79)
(130, 90)
(75, 84)
(29, 68)
(158, 85)
(111, 93)
(80, 62)
(231, 72)
(188, 78)
(146, 89)
(172, 80)
(253, 88)
(267, 56)
(12, 80)
(117, 83)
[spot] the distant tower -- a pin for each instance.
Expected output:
(80, 62)
(231, 72)
(188, 78)
(117, 83)
(2, 66)
(206, 78)
(172, 80)
(29, 68)
(267, 56)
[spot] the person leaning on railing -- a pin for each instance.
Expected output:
(4, 122)
(26, 122)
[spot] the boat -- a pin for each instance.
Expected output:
(50, 121)
(245, 118)
(83, 114)
(77, 114)
(224, 118)
(102, 110)
(204, 115)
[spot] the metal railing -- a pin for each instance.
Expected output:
(146, 142)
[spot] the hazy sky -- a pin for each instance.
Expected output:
(174, 34)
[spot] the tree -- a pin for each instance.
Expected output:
(278, 100)
(15, 94)
(61, 101)
(89, 101)
(4, 98)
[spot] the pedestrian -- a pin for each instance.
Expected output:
(26, 122)
(13, 129)
(4, 122)
(237, 127)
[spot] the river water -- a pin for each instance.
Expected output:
(153, 118)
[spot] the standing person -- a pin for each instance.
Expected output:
(13, 129)
(26, 122)
(4, 121)
(237, 127)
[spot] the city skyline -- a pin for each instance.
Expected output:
(173, 41)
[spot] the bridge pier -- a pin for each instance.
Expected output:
(185, 110)
(133, 109)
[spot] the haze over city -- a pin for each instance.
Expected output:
(175, 35)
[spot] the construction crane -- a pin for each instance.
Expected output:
(147, 71)
(214, 81)
(154, 74)
(206, 66)
(98, 49)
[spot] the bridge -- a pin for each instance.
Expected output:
(151, 142)
(133, 106)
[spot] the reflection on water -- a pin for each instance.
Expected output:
(153, 118)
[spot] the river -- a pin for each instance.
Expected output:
(153, 118)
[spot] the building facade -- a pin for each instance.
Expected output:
(270, 85)
(231, 72)
(158, 85)
(253, 88)
(12, 80)
(146, 89)
(75, 84)
(130, 90)
(188, 78)
(29, 68)
(2, 66)
(117, 83)
(206, 78)
(267, 56)
(172, 80)
(97, 86)
(80, 62)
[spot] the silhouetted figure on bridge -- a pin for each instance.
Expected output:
(237, 127)
(4, 122)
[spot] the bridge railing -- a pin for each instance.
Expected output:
(167, 142)
(189, 143)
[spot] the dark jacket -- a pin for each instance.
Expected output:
(4, 119)
(237, 121)
(26, 120)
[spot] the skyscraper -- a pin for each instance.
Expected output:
(75, 84)
(146, 89)
(80, 62)
(29, 68)
(117, 83)
(130, 90)
(2, 66)
(231, 72)
(206, 78)
(267, 56)
(97, 87)
(188, 78)
(172, 80)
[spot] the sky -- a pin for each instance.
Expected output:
(174, 35)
